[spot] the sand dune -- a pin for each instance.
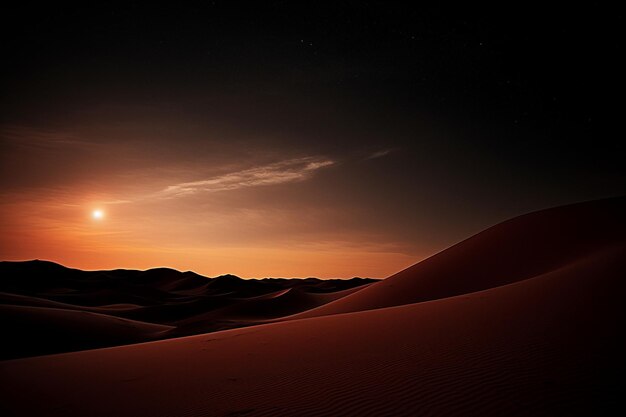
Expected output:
(40, 298)
(508, 252)
(29, 330)
(532, 326)
(277, 304)
(543, 346)
(23, 300)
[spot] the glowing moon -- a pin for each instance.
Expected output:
(97, 214)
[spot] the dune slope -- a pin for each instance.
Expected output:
(511, 251)
(29, 331)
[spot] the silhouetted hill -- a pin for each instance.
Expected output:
(71, 309)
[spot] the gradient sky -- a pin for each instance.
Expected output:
(297, 139)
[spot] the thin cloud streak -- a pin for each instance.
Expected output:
(291, 170)
(381, 153)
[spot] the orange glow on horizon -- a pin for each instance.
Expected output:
(153, 236)
(259, 217)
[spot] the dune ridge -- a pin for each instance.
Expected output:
(511, 251)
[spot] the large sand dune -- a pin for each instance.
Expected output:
(533, 327)
(511, 251)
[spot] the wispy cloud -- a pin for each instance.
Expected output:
(380, 154)
(290, 170)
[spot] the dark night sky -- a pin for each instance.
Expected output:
(425, 126)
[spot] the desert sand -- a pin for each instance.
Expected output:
(525, 318)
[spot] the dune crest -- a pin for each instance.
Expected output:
(511, 251)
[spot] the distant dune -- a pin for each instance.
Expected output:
(48, 308)
(525, 318)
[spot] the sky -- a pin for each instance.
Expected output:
(296, 139)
